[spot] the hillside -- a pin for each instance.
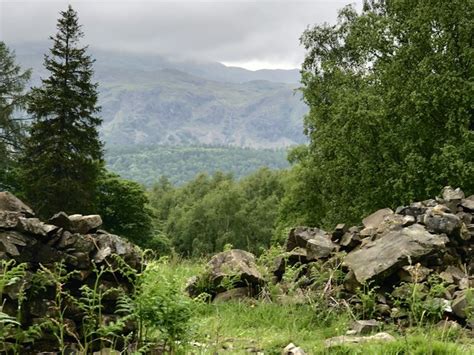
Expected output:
(145, 164)
(148, 99)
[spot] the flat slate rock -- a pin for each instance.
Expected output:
(393, 250)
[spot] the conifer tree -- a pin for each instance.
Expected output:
(63, 155)
(12, 97)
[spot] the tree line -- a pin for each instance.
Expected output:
(391, 121)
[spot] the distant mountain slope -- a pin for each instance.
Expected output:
(147, 99)
(146, 164)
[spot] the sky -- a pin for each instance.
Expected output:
(254, 34)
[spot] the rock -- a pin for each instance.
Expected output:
(350, 240)
(234, 294)
(414, 273)
(394, 249)
(449, 194)
(361, 327)
(452, 274)
(8, 202)
(320, 247)
(299, 236)
(292, 349)
(235, 264)
(84, 224)
(468, 203)
(10, 241)
(9, 219)
(35, 226)
(441, 222)
(61, 220)
(342, 340)
(339, 231)
(374, 220)
(459, 305)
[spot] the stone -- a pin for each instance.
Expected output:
(299, 236)
(320, 247)
(414, 273)
(362, 327)
(9, 219)
(84, 224)
(61, 220)
(8, 202)
(344, 339)
(374, 220)
(35, 226)
(339, 231)
(235, 263)
(10, 241)
(459, 305)
(450, 194)
(234, 294)
(468, 203)
(395, 249)
(350, 240)
(292, 349)
(442, 222)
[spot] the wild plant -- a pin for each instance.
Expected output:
(367, 295)
(12, 275)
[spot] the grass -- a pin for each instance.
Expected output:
(266, 327)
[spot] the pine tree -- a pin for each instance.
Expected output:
(12, 97)
(63, 155)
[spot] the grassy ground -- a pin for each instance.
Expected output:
(266, 327)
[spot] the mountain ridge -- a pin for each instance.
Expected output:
(149, 99)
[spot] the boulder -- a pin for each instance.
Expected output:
(84, 224)
(35, 226)
(374, 220)
(9, 219)
(393, 250)
(437, 221)
(10, 241)
(468, 203)
(237, 265)
(459, 304)
(8, 202)
(313, 242)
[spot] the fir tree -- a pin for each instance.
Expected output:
(63, 154)
(12, 83)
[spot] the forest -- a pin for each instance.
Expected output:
(389, 90)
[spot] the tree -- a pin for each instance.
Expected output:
(63, 155)
(391, 119)
(123, 207)
(12, 98)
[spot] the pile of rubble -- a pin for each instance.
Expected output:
(395, 248)
(76, 243)
(392, 250)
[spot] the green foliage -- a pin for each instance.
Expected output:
(12, 98)
(63, 154)
(390, 95)
(204, 215)
(123, 207)
(180, 164)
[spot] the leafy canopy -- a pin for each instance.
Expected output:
(391, 117)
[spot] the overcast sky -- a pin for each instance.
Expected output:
(252, 34)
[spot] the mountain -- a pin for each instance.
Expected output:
(150, 99)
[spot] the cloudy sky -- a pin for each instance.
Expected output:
(253, 34)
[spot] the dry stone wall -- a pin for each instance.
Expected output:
(64, 244)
